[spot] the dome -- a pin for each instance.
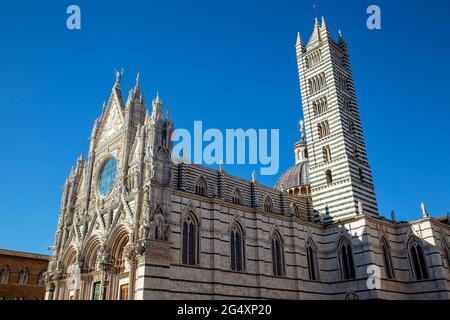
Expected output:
(295, 176)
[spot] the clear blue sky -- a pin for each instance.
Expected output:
(229, 63)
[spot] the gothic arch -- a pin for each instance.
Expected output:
(387, 258)
(236, 197)
(69, 257)
(268, 204)
(278, 259)
(116, 245)
(237, 247)
(201, 187)
(90, 251)
(311, 257)
(190, 239)
(417, 258)
(346, 258)
(294, 210)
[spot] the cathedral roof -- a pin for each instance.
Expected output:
(296, 176)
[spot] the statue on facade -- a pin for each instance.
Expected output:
(424, 210)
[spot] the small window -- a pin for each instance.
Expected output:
(237, 197)
(361, 175)
(268, 205)
(326, 154)
(294, 210)
(5, 273)
(23, 276)
(200, 187)
(329, 177)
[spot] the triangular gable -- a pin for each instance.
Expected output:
(113, 118)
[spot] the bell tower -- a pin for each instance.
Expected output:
(340, 175)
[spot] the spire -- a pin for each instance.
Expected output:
(315, 38)
(157, 107)
(158, 98)
(299, 44)
(137, 87)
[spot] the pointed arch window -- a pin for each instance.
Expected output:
(268, 205)
(387, 259)
(237, 196)
(190, 242)
(326, 154)
(346, 259)
(329, 177)
(418, 260)
(23, 276)
(40, 279)
(237, 248)
(201, 187)
(277, 255)
(5, 273)
(311, 257)
(446, 252)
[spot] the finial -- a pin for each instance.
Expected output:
(220, 166)
(323, 22)
(137, 88)
(119, 75)
(424, 210)
(158, 98)
(254, 176)
(360, 208)
(302, 129)
(393, 216)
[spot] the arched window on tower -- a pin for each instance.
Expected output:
(201, 187)
(346, 259)
(190, 242)
(237, 248)
(361, 175)
(5, 273)
(417, 260)
(277, 255)
(268, 205)
(311, 257)
(387, 259)
(326, 154)
(329, 177)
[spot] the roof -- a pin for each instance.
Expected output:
(296, 176)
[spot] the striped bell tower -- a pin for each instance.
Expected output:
(340, 175)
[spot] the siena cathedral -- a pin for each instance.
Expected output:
(134, 224)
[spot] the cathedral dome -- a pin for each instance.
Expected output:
(295, 177)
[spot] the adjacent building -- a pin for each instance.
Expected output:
(22, 275)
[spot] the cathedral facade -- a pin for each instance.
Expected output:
(136, 225)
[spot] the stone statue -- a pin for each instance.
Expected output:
(424, 210)
(144, 230)
(302, 129)
(254, 176)
(393, 216)
(119, 75)
(220, 166)
(360, 208)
